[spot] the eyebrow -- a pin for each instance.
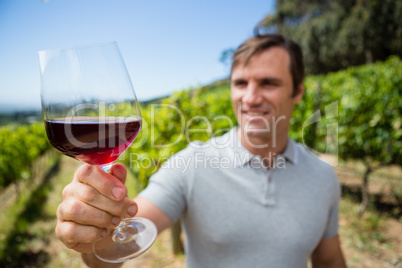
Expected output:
(270, 79)
(238, 80)
(264, 79)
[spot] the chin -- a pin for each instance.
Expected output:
(257, 132)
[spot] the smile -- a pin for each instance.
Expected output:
(255, 113)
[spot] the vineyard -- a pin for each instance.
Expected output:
(354, 114)
(351, 117)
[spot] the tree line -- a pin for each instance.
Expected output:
(338, 34)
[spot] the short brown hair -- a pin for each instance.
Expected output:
(261, 42)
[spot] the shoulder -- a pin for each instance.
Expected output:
(197, 155)
(314, 166)
(214, 146)
(309, 159)
(320, 174)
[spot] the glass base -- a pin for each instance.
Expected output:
(129, 240)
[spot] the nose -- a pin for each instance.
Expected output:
(252, 95)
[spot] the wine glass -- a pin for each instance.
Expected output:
(91, 113)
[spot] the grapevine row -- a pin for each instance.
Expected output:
(20, 146)
(362, 105)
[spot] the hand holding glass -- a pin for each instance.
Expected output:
(91, 113)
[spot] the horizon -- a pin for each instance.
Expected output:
(6, 108)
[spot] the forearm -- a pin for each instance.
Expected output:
(328, 254)
(329, 265)
(334, 263)
(92, 261)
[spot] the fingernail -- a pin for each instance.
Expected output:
(117, 192)
(132, 210)
(104, 233)
(115, 220)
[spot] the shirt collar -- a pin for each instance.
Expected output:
(291, 152)
(243, 157)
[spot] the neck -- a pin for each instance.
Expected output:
(265, 147)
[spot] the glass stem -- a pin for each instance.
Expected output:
(122, 224)
(120, 234)
(106, 168)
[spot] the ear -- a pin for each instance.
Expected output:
(299, 94)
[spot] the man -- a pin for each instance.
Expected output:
(250, 198)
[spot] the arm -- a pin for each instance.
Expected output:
(328, 254)
(148, 210)
(91, 205)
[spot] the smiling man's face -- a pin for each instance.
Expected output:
(262, 95)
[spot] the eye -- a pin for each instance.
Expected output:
(240, 83)
(269, 83)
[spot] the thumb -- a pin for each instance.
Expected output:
(119, 171)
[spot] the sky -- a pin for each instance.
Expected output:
(166, 45)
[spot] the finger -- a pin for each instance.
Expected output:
(78, 194)
(82, 213)
(119, 171)
(103, 182)
(71, 233)
(83, 247)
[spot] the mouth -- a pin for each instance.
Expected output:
(255, 113)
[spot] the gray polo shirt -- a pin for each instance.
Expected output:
(237, 213)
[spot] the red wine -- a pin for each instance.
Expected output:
(95, 141)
